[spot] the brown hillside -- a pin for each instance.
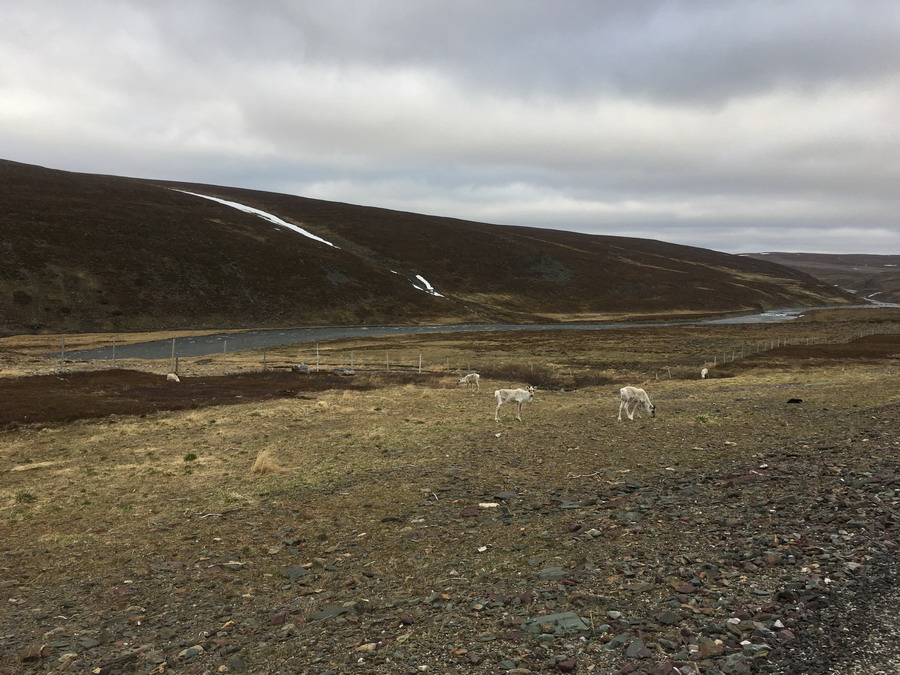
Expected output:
(89, 252)
(868, 276)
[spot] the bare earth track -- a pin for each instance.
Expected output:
(394, 527)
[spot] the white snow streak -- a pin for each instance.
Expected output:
(428, 287)
(261, 214)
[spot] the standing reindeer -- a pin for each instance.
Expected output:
(518, 396)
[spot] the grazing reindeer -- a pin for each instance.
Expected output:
(472, 381)
(629, 395)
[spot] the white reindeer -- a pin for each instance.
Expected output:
(472, 381)
(518, 396)
(704, 373)
(172, 377)
(628, 395)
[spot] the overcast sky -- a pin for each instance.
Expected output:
(737, 125)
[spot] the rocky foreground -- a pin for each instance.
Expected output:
(778, 560)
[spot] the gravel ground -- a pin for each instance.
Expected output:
(873, 644)
(747, 547)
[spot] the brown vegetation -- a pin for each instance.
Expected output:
(875, 276)
(129, 540)
(104, 253)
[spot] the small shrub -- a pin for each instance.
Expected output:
(374, 434)
(704, 418)
(265, 464)
(190, 457)
(26, 498)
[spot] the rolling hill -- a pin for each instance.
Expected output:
(875, 277)
(86, 252)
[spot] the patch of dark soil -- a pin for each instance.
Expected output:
(869, 348)
(72, 396)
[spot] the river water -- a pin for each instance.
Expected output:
(216, 343)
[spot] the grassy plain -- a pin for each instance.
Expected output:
(153, 528)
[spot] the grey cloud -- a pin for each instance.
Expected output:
(713, 122)
(682, 50)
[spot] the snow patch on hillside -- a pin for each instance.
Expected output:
(428, 287)
(422, 285)
(261, 214)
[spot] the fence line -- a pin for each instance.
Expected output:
(398, 361)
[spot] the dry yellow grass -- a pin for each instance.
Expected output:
(374, 481)
(265, 464)
(59, 479)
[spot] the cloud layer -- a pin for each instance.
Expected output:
(718, 123)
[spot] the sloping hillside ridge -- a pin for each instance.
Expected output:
(870, 276)
(89, 252)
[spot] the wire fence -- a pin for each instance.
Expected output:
(325, 358)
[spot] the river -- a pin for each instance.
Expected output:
(216, 343)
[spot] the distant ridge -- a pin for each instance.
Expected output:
(87, 252)
(873, 277)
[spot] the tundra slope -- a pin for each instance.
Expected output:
(88, 252)
(874, 277)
